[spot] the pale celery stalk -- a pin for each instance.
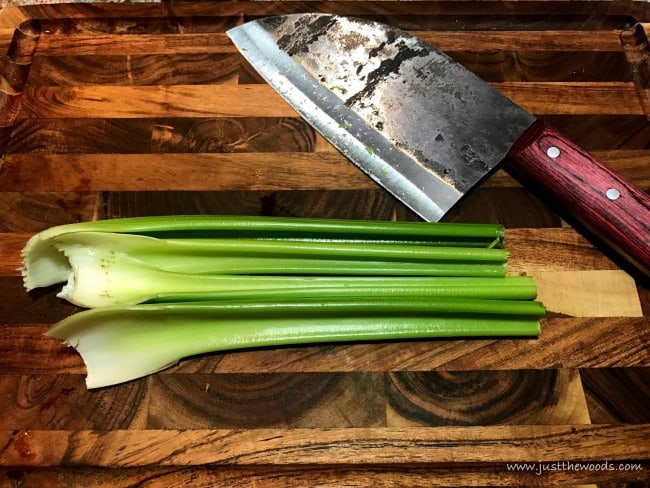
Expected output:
(234, 256)
(44, 265)
(102, 276)
(243, 256)
(144, 339)
(103, 268)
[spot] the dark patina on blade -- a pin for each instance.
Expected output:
(412, 118)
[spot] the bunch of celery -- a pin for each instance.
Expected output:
(164, 288)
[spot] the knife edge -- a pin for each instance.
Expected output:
(371, 151)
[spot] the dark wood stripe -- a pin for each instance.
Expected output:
(38, 306)
(436, 15)
(434, 398)
(164, 135)
(63, 136)
(56, 43)
(297, 400)
(161, 69)
(603, 132)
(503, 65)
(606, 387)
(32, 212)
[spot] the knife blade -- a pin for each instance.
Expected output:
(427, 129)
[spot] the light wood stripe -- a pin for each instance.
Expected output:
(244, 100)
(227, 171)
(498, 444)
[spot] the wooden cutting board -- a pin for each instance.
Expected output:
(113, 110)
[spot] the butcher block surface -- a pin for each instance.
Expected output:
(117, 110)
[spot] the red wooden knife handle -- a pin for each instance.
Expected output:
(583, 187)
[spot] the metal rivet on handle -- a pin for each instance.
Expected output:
(553, 152)
(613, 194)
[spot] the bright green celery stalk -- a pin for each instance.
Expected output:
(288, 227)
(119, 344)
(44, 265)
(102, 276)
(507, 288)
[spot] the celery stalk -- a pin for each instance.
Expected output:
(291, 227)
(148, 338)
(44, 265)
(164, 288)
(156, 250)
(102, 276)
(509, 288)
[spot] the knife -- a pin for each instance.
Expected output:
(429, 130)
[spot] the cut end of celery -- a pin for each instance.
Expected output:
(111, 356)
(43, 264)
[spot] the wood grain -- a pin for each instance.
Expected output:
(352, 476)
(156, 101)
(135, 70)
(317, 476)
(436, 14)
(127, 109)
(190, 67)
(242, 100)
(595, 293)
(434, 398)
(233, 169)
(602, 132)
(201, 172)
(80, 44)
(32, 211)
(631, 384)
(132, 448)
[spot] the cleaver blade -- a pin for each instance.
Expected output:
(427, 129)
